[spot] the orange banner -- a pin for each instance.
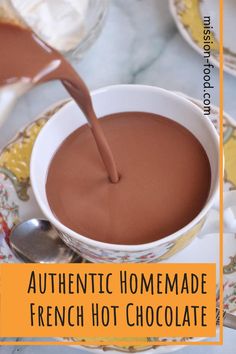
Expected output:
(107, 300)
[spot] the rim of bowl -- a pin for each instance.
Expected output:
(113, 246)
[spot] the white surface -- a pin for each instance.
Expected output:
(59, 22)
(124, 98)
(139, 44)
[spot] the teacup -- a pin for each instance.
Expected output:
(110, 100)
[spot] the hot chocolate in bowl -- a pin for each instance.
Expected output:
(134, 185)
(154, 102)
(148, 202)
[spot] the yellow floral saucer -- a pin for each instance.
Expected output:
(192, 17)
(17, 203)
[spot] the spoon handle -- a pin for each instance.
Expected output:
(229, 320)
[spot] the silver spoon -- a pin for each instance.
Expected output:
(37, 241)
(229, 320)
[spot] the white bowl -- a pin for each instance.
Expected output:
(110, 100)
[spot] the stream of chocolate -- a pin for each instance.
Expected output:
(165, 172)
(24, 57)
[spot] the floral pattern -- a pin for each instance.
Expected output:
(8, 217)
(155, 254)
(188, 15)
(12, 202)
(15, 157)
